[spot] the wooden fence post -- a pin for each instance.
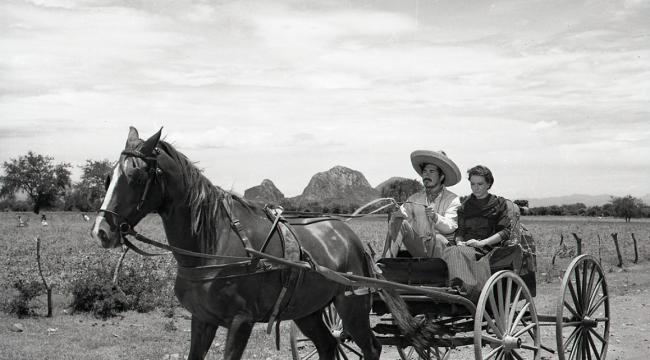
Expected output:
(558, 250)
(618, 250)
(578, 244)
(636, 251)
(599, 259)
(48, 288)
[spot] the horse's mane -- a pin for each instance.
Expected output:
(203, 198)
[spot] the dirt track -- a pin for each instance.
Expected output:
(138, 334)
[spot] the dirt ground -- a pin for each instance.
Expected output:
(153, 336)
(629, 290)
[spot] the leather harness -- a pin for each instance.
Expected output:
(237, 265)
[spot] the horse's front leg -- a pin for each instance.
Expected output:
(238, 334)
(202, 336)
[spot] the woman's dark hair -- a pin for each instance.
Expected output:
(480, 170)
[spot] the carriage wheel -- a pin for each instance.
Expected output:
(436, 353)
(582, 322)
(506, 320)
(302, 348)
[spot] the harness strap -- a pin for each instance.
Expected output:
(139, 251)
(236, 225)
(171, 248)
(289, 286)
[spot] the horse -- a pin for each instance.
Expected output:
(228, 287)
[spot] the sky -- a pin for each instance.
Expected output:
(553, 96)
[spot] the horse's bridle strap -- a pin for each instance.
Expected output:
(178, 250)
(152, 166)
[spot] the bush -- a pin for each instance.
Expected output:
(141, 288)
(22, 304)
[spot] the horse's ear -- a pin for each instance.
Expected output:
(133, 138)
(150, 143)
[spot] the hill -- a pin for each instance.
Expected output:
(266, 192)
(385, 183)
(339, 185)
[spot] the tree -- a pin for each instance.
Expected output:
(521, 203)
(93, 181)
(627, 207)
(87, 194)
(42, 181)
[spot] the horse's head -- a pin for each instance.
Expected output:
(133, 190)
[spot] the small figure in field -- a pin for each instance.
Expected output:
(43, 220)
(85, 217)
(21, 222)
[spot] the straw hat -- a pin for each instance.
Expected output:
(438, 158)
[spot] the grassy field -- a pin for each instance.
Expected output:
(68, 251)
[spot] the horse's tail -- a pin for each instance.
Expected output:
(418, 332)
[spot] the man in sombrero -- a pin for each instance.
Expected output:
(428, 219)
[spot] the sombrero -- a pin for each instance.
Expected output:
(439, 159)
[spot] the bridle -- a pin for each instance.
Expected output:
(152, 171)
(123, 225)
(125, 228)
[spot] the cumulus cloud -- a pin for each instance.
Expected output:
(361, 81)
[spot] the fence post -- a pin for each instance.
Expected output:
(48, 288)
(600, 261)
(618, 250)
(558, 250)
(578, 244)
(636, 251)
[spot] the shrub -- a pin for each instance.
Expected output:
(142, 288)
(22, 304)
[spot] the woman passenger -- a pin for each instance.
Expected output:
(483, 218)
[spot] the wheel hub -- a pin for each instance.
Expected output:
(511, 342)
(589, 322)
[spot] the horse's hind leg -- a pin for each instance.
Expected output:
(202, 336)
(314, 328)
(354, 312)
(238, 334)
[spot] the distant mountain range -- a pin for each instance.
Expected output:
(345, 186)
(338, 186)
(589, 200)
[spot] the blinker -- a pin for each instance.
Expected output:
(125, 228)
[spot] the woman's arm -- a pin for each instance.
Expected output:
(492, 240)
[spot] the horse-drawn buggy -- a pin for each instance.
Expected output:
(234, 270)
(501, 323)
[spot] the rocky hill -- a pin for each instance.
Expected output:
(388, 182)
(338, 185)
(266, 192)
(399, 188)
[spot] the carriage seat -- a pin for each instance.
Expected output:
(415, 271)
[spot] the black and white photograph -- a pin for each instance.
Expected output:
(333, 179)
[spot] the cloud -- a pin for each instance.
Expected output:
(337, 82)
(542, 125)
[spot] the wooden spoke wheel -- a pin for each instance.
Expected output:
(433, 353)
(303, 349)
(582, 320)
(506, 324)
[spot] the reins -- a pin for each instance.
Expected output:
(126, 229)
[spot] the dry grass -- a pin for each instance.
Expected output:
(68, 250)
